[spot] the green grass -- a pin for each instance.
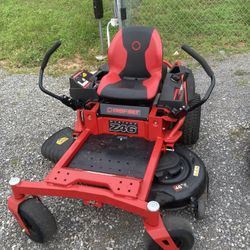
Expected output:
(209, 26)
(236, 133)
(29, 27)
(241, 72)
(243, 82)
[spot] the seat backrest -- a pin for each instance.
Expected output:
(136, 52)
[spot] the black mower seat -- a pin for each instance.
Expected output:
(135, 65)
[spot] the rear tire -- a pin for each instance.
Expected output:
(191, 126)
(38, 219)
(180, 232)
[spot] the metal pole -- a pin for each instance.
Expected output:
(101, 36)
(124, 7)
(119, 13)
(115, 8)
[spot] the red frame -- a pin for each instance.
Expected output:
(96, 189)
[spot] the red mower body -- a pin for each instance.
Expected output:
(134, 77)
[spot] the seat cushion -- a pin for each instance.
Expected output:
(135, 65)
(129, 89)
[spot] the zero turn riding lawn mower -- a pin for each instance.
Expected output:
(134, 117)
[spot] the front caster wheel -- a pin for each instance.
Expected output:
(38, 219)
(180, 232)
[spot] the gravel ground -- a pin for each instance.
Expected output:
(28, 117)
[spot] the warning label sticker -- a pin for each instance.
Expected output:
(62, 140)
(180, 187)
(196, 170)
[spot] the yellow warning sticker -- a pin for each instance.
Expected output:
(196, 170)
(84, 75)
(62, 140)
